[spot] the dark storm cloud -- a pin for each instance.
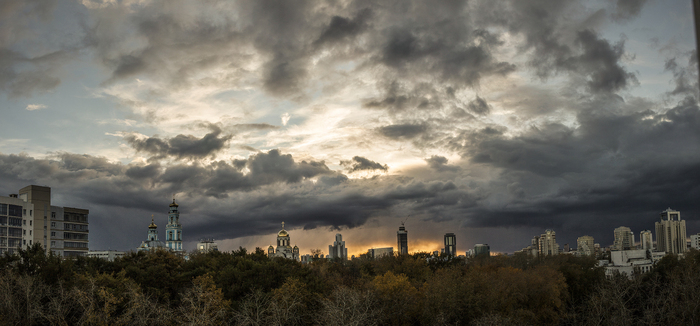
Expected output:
(600, 61)
(403, 131)
(341, 28)
(685, 78)
(24, 72)
(439, 163)
(360, 163)
(479, 106)
(181, 146)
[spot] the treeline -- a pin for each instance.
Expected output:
(242, 288)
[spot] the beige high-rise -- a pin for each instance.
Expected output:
(670, 233)
(624, 239)
(585, 245)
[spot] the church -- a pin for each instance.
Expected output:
(173, 233)
(284, 249)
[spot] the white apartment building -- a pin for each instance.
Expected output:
(27, 218)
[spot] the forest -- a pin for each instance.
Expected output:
(248, 288)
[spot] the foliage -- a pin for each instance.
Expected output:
(248, 288)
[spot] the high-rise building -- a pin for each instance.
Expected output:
(402, 239)
(695, 241)
(585, 245)
(173, 230)
(670, 233)
(624, 239)
(451, 244)
(28, 218)
(338, 250)
(482, 249)
(645, 240)
(548, 243)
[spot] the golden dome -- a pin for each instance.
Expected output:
(153, 225)
(173, 204)
(282, 233)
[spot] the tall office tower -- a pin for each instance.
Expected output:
(624, 239)
(338, 250)
(173, 230)
(451, 244)
(548, 243)
(670, 233)
(62, 230)
(482, 249)
(402, 239)
(585, 245)
(645, 241)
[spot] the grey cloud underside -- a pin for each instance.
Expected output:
(359, 163)
(181, 146)
(110, 189)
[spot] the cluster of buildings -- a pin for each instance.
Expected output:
(626, 255)
(27, 218)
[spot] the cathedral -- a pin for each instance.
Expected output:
(173, 233)
(284, 249)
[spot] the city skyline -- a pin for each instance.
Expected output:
(494, 121)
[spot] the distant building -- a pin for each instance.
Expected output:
(585, 246)
(380, 252)
(402, 240)
(284, 248)
(338, 250)
(482, 249)
(645, 240)
(547, 243)
(629, 262)
(14, 231)
(624, 239)
(173, 230)
(695, 241)
(109, 255)
(152, 243)
(670, 233)
(566, 248)
(451, 244)
(207, 245)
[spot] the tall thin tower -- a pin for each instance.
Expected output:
(173, 230)
(402, 239)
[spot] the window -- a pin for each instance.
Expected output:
(24, 242)
(24, 232)
(24, 212)
(30, 222)
(53, 234)
(53, 224)
(53, 215)
(30, 233)
(30, 242)
(30, 212)
(24, 222)
(53, 244)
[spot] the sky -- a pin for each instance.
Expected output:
(493, 120)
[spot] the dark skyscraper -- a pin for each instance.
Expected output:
(450, 244)
(402, 238)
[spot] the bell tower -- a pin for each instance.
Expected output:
(173, 230)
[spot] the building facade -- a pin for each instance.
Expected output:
(451, 244)
(207, 245)
(28, 218)
(173, 230)
(547, 243)
(338, 249)
(152, 243)
(402, 240)
(482, 249)
(670, 233)
(624, 239)
(380, 252)
(109, 255)
(585, 245)
(645, 240)
(284, 248)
